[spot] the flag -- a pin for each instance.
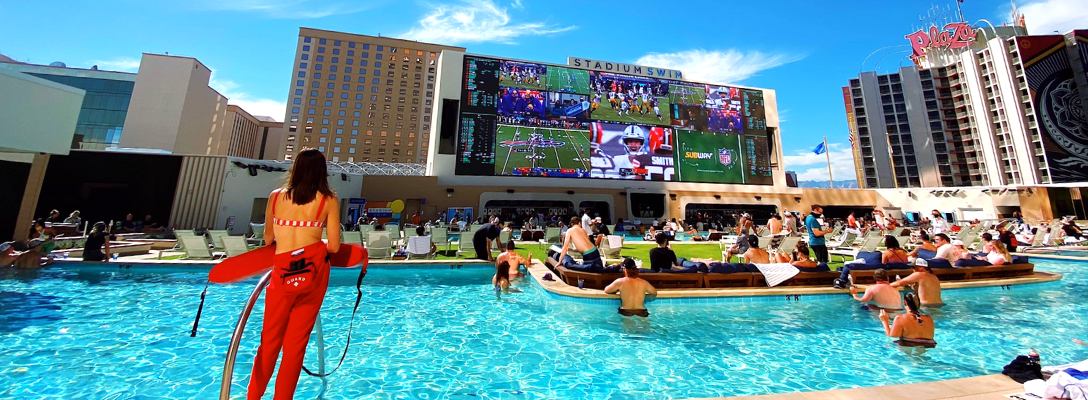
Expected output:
(851, 140)
(820, 149)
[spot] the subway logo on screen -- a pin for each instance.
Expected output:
(708, 157)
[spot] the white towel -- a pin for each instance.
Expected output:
(777, 273)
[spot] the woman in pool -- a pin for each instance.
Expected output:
(300, 272)
(501, 280)
(913, 329)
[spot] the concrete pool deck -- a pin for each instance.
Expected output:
(984, 387)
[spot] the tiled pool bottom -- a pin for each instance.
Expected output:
(104, 333)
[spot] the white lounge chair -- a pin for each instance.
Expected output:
(197, 249)
(234, 245)
(419, 247)
(464, 244)
(870, 244)
(379, 245)
(257, 235)
(611, 246)
(440, 236)
(216, 237)
(552, 235)
(352, 237)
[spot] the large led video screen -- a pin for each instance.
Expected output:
(527, 119)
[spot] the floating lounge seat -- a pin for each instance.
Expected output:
(719, 275)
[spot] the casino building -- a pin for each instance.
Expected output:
(1004, 108)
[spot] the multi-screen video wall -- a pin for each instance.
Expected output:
(524, 119)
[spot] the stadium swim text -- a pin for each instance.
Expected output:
(621, 68)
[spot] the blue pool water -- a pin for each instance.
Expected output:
(104, 333)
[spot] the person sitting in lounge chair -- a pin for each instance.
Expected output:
(579, 239)
(800, 257)
(632, 291)
(662, 257)
(756, 255)
(926, 245)
(894, 253)
(421, 243)
(881, 294)
(999, 255)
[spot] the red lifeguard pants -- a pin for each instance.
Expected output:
(288, 320)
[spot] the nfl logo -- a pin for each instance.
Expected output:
(725, 156)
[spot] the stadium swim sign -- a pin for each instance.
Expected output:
(621, 68)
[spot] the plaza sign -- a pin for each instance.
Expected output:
(956, 35)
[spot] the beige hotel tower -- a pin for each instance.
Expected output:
(361, 98)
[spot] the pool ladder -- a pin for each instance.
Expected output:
(236, 339)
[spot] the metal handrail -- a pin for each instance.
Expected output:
(236, 338)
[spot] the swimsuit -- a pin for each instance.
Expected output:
(292, 301)
(636, 312)
(911, 342)
(591, 261)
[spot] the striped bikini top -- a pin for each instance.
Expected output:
(309, 224)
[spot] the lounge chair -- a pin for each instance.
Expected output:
(234, 245)
(440, 236)
(352, 237)
(257, 237)
(216, 237)
(788, 244)
(552, 235)
(504, 238)
(419, 247)
(464, 244)
(379, 245)
(870, 244)
(847, 240)
(611, 246)
(197, 249)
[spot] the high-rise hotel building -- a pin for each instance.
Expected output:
(361, 98)
(1007, 110)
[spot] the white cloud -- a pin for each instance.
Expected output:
(517, 4)
(124, 64)
(722, 66)
(289, 9)
(255, 106)
(476, 21)
(812, 167)
(1043, 17)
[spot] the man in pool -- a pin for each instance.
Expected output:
(928, 286)
(591, 258)
(882, 295)
(514, 259)
(632, 291)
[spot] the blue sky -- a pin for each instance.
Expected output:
(804, 50)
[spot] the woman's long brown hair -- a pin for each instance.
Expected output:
(309, 176)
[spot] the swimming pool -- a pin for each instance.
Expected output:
(105, 333)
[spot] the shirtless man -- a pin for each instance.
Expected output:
(775, 225)
(514, 259)
(632, 291)
(880, 294)
(928, 286)
(591, 258)
(756, 255)
(926, 245)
